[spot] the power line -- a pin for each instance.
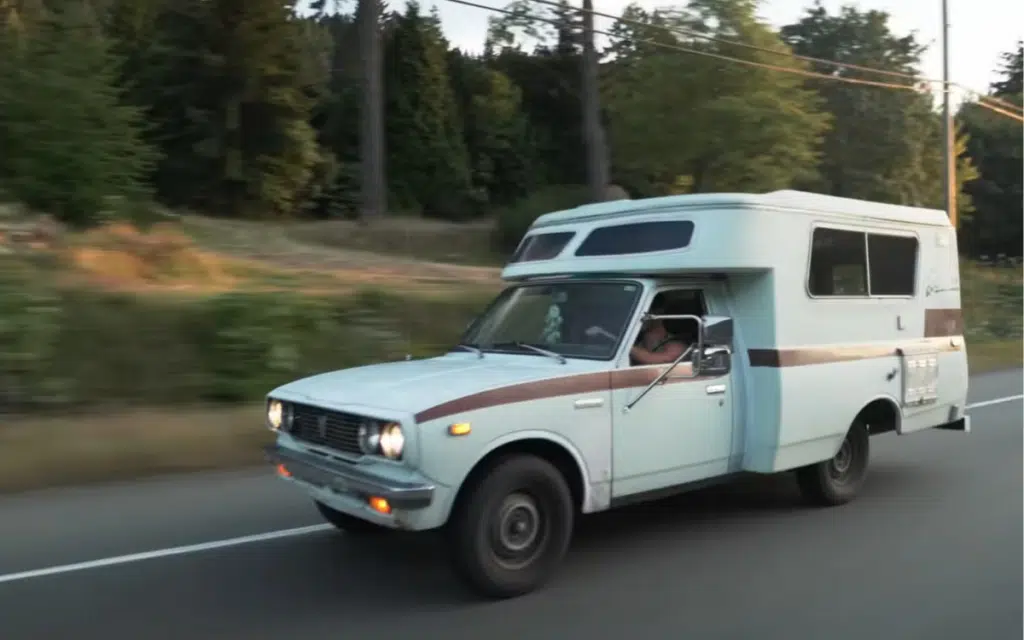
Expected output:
(718, 56)
(789, 54)
(709, 54)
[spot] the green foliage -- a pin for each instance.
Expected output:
(426, 149)
(995, 145)
(255, 110)
(499, 137)
(230, 87)
(66, 348)
(71, 146)
(1012, 81)
(29, 325)
(991, 301)
(515, 219)
(885, 144)
(677, 119)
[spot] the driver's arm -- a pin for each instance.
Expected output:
(668, 354)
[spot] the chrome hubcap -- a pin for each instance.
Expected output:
(843, 460)
(517, 531)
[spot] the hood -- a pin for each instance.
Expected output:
(414, 385)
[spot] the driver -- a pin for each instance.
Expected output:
(656, 345)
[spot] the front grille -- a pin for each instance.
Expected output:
(339, 431)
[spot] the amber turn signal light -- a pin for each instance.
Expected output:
(380, 505)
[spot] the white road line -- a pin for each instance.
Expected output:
(259, 537)
(989, 403)
(164, 553)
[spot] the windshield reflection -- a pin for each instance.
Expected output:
(571, 319)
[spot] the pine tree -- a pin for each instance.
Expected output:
(72, 147)
(427, 158)
(226, 90)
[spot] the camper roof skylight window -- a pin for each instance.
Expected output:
(637, 237)
(542, 246)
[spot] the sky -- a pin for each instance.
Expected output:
(980, 30)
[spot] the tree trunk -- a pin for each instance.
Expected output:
(593, 131)
(371, 138)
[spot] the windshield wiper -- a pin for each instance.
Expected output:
(525, 345)
(469, 347)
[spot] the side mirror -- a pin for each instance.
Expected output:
(715, 356)
(718, 331)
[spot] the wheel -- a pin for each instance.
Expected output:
(510, 533)
(837, 481)
(349, 524)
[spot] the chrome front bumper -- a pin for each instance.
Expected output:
(349, 479)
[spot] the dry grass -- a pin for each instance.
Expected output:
(37, 452)
(122, 257)
(409, 238)
(995, 356)
(202, 255)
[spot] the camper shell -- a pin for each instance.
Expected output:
(806, 351)
(798, 325)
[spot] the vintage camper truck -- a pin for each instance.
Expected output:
(641, 348)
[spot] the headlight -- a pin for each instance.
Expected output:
(280, 415)
(369, 437)
(384, 439)
(392, 441)
(275, 414)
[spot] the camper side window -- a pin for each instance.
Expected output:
(893, 264)
(838, 263)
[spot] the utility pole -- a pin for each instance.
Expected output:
(948, 129)
(593, 131)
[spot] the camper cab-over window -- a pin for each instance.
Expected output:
(641, 348)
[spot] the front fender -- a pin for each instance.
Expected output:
(509, 440)
(540, 434)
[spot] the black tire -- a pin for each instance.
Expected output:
(838, 480)
(349, 524)
(523, 501)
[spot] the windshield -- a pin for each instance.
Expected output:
(572, 319)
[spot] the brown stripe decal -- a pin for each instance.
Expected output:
(822, 355)
(554, 387)
(939, 323)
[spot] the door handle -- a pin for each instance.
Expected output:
(715, 389)
(589, 403)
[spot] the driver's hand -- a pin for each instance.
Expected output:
(594, 331)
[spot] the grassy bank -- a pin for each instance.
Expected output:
(70, 349)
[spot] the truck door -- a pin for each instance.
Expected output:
(682, 429)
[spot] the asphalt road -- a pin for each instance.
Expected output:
(932, 549)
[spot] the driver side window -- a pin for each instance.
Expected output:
(661, 341)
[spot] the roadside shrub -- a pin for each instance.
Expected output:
(64, 347)
(253, 341)
(30, 322)
(515, 219)
(991, 300)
